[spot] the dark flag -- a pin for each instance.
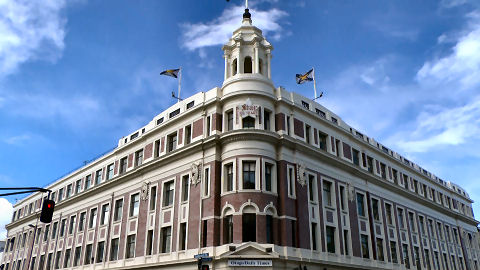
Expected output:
(171, 72)
(307, 77)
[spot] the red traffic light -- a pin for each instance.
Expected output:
(47, 211)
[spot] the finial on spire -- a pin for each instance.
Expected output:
(246, 4)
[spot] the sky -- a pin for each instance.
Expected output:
(77, 75)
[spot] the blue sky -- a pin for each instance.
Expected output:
(75, 76)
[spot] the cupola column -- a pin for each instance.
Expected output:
(226, 67)
(256, 69)
(269, 58)
(240, 59)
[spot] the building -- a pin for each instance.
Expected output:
(252, 175)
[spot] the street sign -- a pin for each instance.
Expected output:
(247, 263)
(202, 255)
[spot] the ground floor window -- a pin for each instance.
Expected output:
(249, 225)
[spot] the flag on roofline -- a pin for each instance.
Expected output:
(171, 72)
(307, 77)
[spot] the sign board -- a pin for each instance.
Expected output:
(247, 263)
(202, 255)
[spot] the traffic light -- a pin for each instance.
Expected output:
(205, 267)
(47, 211)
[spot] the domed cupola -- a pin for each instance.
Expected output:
(247, 57)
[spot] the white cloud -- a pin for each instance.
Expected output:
(5, 216)
(18, 139)
(216, 32)
(451, 126)
(462, 64)
(30, 30)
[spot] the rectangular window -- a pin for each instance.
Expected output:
(69, 193)
(54, 230)
(327, 193)
(307, 133)
(208, 126)
(393, 251)
(60, 196)
(370, 164)
(206, 182)
(159, 120)
(383, 170)
(130, 251)
(266, 121)
(380, 255)
(49, 261)
(190, 104)
(138, 158)
(311, 187)
(81, 221)
(388, 210)
(156, 149)
(356, 157)
(248, 174)
(78, 255)
(427, 259)
(346, 242)
(32, 264)
(153, 197)
(98, 177)
(342, 198)
(400, 218)
(314, 236)
(291, 182)
(93, 218)
(422, 224)
(37, 237)
(375, 211)
(105, 214)
(249, 227)
(330, 236)
(322, 140)
(114, 249)
(269, 229)
(168, 189)
(288, 125)
(149, 242)
(268, 177)
(109, 171)
(134, 204)
(185, 187)
(360, 205)
(71, 227)
(183, 236)
(100, 251)
(166, 235)
(88, 181)
(58, 257)
(41, 263)
(228, 229)
(229, 120)
(88, 254)
(123, 165)
(188, 134)
(364, 245)
(204, 233)
(406, 258)
(411, 221)
(293, 227)
(78, 186)
(229, 176)
(62, 227)
(174, 113)
(305, 105)
(117, 214)
(172, 142)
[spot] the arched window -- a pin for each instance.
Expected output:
(260, 66)
(247, 65)
(234, 67)
(248, 122)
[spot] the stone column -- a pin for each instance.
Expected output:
(255, 67)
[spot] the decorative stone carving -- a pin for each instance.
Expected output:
(351, 192)
(247, 109)
(145, 189)
(301, 174)
(196, 173)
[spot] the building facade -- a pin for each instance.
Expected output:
(253, 175)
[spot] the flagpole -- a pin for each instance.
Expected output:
(179, 83)
(314, 85)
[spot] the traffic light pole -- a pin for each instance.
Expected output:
(25, 190)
